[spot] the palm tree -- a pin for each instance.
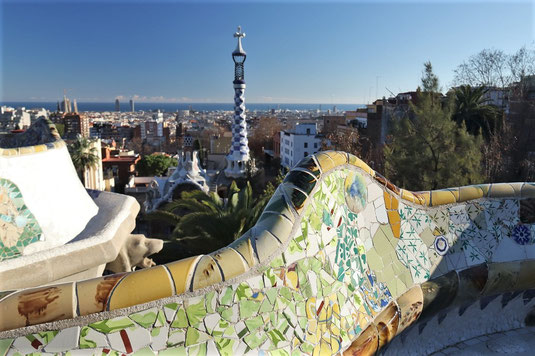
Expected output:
(206, 222)
(83, 155)
(477, 116)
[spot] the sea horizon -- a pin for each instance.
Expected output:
(173, 107)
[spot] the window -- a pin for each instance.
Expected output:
(315, 145)
(305, 154)
(308, 131)
(306, 145)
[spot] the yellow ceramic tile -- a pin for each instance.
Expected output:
(484, 187)
(40, 148)
(244, 247)
(231, 262)
(181, 272)
(396, 229)
(501, 190)
(339, 158)
(93, 294)
(325, 162)
(277, 225)
(393, 216)
(410, 305)
(395, 202)
(387, 323)
(442, 197)
(26, 150)
(357, 162)
(388, 200)
(407, 195)
(423, 198)
(455, 192)
(266, 245)
(10, 152)
(469, 193)
(141, 287)
(517, 187)
(528, 190)
(206, 273)
(38, 305)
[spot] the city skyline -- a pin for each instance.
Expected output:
(297, 53)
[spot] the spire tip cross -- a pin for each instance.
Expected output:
(239, 34)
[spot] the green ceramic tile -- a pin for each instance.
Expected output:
(112, 325)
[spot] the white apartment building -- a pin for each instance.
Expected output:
(298, 143)
(14, 119)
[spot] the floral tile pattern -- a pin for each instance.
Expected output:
(18, 226)
(356, 266)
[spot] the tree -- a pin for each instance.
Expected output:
(430, 150)
(205, 222)
(495, 68)
(470, 109)
(83, 155)
(262, 136)
(154, 165)
(429, 79)
(487, 68)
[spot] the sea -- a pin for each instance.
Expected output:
(173, 107)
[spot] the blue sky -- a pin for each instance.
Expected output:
(298, 52)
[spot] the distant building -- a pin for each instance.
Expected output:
(37, 114)
(132, 105)
(66, 105)
(75, 124)
(119, 164)
(75, 105)
(155, 132)
(14, 119)
(298, 143)
(117, 105)
(330, 123)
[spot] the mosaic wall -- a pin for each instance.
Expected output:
(18, 227)
(340, 260)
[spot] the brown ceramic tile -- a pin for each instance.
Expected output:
(38, 305)
(410, 306)
(365, 344)
(206, 274)
(93, 293)
(387, 322)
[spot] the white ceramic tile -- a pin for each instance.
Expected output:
(65, 340)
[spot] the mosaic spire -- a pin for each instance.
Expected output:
(238, 157)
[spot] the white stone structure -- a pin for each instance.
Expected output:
(238, 157)
(51, 190)
(299, 143)
(188, 171)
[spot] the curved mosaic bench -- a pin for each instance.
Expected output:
(341, 260)
(43, 204)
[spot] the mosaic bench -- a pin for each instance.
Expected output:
(51, 229)
(341, 261)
